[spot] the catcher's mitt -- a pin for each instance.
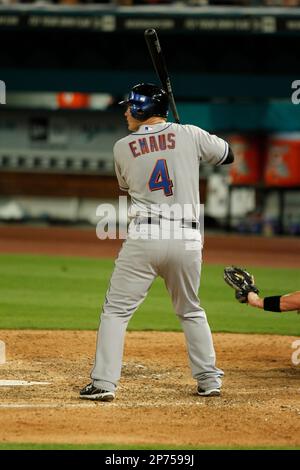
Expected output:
(241, 281)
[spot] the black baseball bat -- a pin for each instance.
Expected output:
(160, 67)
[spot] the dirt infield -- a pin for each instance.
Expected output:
(156, 400)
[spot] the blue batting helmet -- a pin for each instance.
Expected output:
(146, 100)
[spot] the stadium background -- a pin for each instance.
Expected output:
(235, 72)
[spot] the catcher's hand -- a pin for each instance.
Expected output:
(241, 281)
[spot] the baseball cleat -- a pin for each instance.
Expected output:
(89, 392)
(211, 392)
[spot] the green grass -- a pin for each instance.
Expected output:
(67, 293)
(23, 446)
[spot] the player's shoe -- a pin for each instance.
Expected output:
(211, 392)
(89, 392)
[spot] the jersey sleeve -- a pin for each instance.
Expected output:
(211, 148)
(122, 183)
(121, 180)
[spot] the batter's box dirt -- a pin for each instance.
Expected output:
(156, 401)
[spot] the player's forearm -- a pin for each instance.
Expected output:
(255, 301)
(270, 304)
(284, 303)
(290, 302)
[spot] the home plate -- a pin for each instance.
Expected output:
(17, 383)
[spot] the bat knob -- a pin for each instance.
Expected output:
(150, 32)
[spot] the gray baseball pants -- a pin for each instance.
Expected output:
(138, 264)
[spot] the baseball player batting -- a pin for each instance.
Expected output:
(158, 164)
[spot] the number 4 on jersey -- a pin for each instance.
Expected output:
(160, 178)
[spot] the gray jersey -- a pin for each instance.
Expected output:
(159, 164)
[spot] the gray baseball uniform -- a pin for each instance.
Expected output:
(159, 167)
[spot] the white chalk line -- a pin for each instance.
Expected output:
(45, 405)
(20, 383)
(95, 404)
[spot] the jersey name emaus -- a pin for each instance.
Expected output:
(152, 143)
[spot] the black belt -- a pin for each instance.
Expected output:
(157, 221)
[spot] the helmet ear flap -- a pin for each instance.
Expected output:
(139, 111)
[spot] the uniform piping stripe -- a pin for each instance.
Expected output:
(225, 154)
